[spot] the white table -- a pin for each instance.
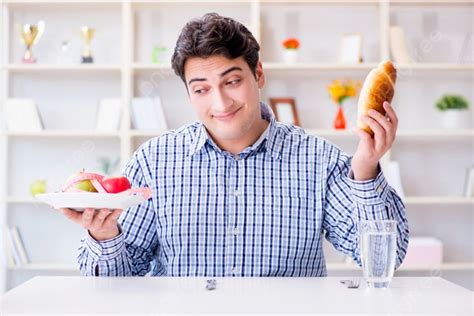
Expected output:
(164, 295)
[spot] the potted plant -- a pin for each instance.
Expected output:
(340, 91)
(454, 109)
(290, 50)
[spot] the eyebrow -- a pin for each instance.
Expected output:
(220, 75)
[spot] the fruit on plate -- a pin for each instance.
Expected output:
(97, 183)
(38, 187)
(115, 184)
(84, 182)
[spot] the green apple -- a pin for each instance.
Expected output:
(38, 187)
(85, 185)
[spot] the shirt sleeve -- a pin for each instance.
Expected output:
(349, 201)
(133, 250)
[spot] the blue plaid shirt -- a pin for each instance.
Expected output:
(262, 212)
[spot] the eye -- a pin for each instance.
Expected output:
(233, 82)
(199, 91)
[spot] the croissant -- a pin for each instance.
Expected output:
(379, 86)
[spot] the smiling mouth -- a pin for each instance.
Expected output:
(226, 117)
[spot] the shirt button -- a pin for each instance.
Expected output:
(379, 189)
(236, 231)
(236, 192)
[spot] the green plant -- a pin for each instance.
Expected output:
(451, 101)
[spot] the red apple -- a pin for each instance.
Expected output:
(115, 184)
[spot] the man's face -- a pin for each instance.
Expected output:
(225, 94)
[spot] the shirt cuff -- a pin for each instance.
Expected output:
(106, 249)
(369, 192)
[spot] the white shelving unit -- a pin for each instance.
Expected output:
(127, 32)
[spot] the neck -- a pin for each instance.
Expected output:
(238, 145)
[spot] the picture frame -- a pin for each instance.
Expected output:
(398, 45)
(350, 50)
(108, 114)
(148, 114)
(22, 115)
(285, 110)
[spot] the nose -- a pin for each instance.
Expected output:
(222, 102)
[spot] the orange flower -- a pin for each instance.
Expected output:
(291, 43)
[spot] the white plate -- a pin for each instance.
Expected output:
(81, 200)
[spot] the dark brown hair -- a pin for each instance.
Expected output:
(213, 34)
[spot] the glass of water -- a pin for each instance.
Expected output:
(378, 248)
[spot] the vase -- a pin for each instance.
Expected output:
(290, 56)
(340, 120)
(455, 119)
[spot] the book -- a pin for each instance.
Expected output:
(18, 242)
(469, 182)
(148, 114)
(398, 45)
(22, 115)
(6, 246)
(108, 114)
(12, 248)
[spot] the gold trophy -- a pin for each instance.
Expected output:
(87, 34)
(30, 35)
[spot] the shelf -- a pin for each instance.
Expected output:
(46, 267)
(436, 134)
(440, 200)
(435, 67)
(145, 133)
(277, 66)
(451, 266)
(80, 68)
(64, 134)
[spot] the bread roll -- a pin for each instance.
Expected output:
(379, 86)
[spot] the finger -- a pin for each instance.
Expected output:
(99, 218)
(381, 119)
(364, 136)
(379, 132)
(112, 218)
(71, 214)
(87, 217)
(391, 113)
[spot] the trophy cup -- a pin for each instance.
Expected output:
(87, 34)
(30, 35)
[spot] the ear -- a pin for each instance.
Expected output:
(260, 76)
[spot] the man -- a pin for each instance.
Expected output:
(239, 194)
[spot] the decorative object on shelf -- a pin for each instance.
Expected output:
(455, 109)
(65, 55)
(148, 114)
(340, 91)
(285, 110)
(398, 45)
(22, 115)
(156, 52)
(30, 35)
(290, 50)
(87, 35)
(469, 182)
(467, 51)
(391, 171)
(108, 165)
(108, 114)
(424, 251)
(14, 249)
(351, 48)
(379, 86)
(38, 187)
